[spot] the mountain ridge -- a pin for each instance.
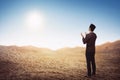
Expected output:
(106, 47)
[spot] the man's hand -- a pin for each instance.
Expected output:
(85, 33)
(82, 35)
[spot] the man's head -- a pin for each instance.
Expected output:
(92, 27)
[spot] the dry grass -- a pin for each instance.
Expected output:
(56, 66)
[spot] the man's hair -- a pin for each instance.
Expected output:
(92, 27)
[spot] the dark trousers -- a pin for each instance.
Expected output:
(90, 59)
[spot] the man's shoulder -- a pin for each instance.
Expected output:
(91, 34)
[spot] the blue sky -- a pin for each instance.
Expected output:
(64, 20)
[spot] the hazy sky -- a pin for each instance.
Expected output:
(61, 22)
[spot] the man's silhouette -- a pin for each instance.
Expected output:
(89, 40)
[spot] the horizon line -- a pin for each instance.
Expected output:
(60, 47)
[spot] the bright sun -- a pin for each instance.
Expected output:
(34, 20)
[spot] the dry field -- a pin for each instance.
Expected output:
(55, 65)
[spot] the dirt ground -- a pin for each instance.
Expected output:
(57, 66)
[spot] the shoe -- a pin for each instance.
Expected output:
(93, 74)
(88, 76)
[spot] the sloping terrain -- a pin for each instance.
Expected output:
(32, 63)
(109, 47)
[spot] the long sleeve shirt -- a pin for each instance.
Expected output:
(89, 40)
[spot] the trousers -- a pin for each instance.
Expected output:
(91, 65)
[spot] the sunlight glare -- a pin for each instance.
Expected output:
(34, 20)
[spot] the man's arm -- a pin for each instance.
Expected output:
(85, 39)
(82, 35)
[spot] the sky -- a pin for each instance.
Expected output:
(56, 24)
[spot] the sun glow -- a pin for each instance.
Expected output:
(34, 20)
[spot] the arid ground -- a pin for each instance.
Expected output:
(27, 63)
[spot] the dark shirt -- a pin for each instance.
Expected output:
(90, 41)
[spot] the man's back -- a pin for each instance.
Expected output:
(90, 41)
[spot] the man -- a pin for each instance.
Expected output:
(89, 40)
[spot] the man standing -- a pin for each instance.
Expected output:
(89, 40)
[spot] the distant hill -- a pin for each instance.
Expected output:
(109, 47)
(23, 49)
